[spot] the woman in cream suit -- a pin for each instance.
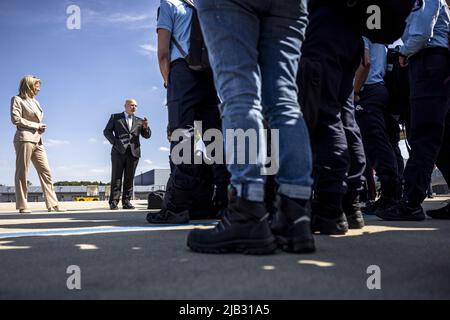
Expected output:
(26, 115)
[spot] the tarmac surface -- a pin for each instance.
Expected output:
(120, 256)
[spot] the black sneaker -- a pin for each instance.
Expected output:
(243, 228)
(292, 226)
(402, 212)
(440, 214)
(168, 217)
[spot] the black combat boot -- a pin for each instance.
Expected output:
(390, 197)
(243, 228)
(165, 216)
(328, 216)
(292, 226)
(352, 210)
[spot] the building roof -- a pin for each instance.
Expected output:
(70, 189)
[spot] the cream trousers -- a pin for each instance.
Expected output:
(26, 151)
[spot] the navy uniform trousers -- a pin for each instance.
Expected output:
(372, 117)
(334, 48)
(191, 96)
(429, 134)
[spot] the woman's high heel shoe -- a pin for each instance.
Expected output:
(24, 211)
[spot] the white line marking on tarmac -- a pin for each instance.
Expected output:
(4, 247)
(18, 233)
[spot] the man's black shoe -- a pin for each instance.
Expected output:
(113, 206)
(243, 228)
(128, 206)
(402, 212)
(165, 216)
(440, 214)
(292, 226)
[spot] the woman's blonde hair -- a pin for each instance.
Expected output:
(27, 84)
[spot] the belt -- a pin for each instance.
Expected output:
(431, 50)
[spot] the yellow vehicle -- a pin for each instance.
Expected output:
(86, 199)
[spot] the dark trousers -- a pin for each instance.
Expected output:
(429, 135)
(337, 62)
(357, 166)
(123, 165)
(371, 117)
(191, 96)
(393, 131)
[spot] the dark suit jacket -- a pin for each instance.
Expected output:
(121, 137)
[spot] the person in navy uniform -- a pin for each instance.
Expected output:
(194, 191)
(373, 117)
(426, 53)
(339, 159)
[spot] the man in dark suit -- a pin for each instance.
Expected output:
(123, 131)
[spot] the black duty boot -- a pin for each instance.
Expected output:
(390, 197)
(402, 212)
(292, 226)
(243, 228)
(382, 204)
(442, 213)
(352, 210)
(328, 216)
(165, 216)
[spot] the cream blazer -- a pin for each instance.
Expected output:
(27, 119)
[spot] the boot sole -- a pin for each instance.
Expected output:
(296, 246)
(251, 247)
(331, 231)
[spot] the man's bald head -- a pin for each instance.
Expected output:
(130, 106)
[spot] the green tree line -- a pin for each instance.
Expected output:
(80, 183)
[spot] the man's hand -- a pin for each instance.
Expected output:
(42, 128)
(145, 123)
(404, 62)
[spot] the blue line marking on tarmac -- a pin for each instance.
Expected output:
(105, 230)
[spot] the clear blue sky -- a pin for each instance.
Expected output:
(86, 75)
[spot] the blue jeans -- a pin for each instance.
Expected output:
(254, 48)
